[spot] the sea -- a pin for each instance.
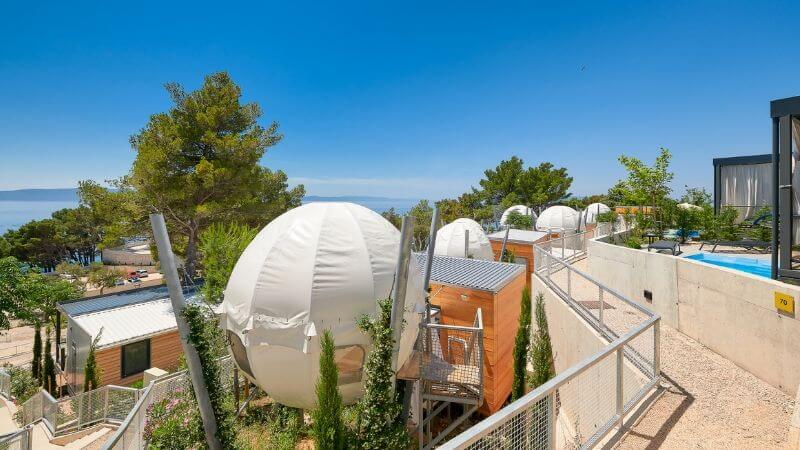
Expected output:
(13, 214)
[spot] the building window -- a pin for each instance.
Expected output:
(350, 361)
(135, 358)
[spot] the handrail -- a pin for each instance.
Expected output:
(120, 431)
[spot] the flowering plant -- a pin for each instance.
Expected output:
(174, 423)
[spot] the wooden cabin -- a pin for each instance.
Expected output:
(137, 331)
(459, 286)
(520, 243)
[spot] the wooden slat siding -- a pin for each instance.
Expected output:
(507, 309)
(520, 250)
(165, 352)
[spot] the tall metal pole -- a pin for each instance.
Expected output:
(167, 259)
(466, 243)
(427, 280)
(503, 247)
(400, 286)
(775, 198)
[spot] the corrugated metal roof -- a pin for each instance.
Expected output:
(129, 323)
(471, 273)
(117, 300)
(527, 236)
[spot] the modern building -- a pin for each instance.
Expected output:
(520, 244)
(134, 331)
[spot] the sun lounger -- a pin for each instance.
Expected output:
(747, 244)
(672, 246)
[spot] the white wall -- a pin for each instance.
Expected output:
(730, 312)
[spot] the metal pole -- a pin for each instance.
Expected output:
(601, 307)
(503, 247)
(400, 286)
(775, 190)
(466, 243)
(431, 244)
(657, 348)
(619, 387)
(167, 259)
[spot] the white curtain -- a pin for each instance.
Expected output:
(746, 187)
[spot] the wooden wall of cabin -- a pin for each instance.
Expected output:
(165, 352)
(520, 251)
(501, 308)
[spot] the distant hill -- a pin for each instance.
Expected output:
(40, 195)
(356, 199)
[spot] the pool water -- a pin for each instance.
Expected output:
(760, 267)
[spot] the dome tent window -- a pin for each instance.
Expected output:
(350, 362)
(239, 353)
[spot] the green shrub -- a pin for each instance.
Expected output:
(91, 372)
(727, 225)
(328, 427)
(519, 221)
(633, 242)
(49, 367)
(174, 423)
(378, 425)
(36, 362)
(541, 348)
(23, 384)
(522, 344)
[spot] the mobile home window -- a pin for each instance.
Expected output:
(135, 358)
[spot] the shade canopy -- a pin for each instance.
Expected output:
(450, 241)
(592, 211)
(521, 209)
(319, 266)
(558, 218)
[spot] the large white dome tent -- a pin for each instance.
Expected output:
(450, 240)
(592, 211)
(558, 218)
(521, 209)
(319, 266)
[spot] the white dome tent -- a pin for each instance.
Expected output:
(450, 241)
(319, 266)
(558, 218)
(522, 209)
(592, 211)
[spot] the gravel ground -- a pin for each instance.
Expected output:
(709, 403)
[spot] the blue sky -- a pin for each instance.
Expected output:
(407, 99)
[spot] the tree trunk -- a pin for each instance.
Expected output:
(191, 252)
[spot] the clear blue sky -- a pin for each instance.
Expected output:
(405, 100)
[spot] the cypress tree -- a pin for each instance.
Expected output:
(49, 367)
(378, 423)
(522, 344)
(36, 363)
(541, 349)
(328, 425)
(91, 373)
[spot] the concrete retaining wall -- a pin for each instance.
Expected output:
(730, 312)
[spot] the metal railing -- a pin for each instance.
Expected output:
(5, 384)
(581, 405)
(571, 246)
(130, 434)
(21, 439)
(107, 404)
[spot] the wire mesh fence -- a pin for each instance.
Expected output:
(5, 384)
(17, 440)
(584, 403)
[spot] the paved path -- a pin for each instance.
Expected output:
(709, 402)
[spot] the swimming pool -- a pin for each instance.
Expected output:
(760, 267)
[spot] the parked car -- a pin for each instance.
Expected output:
(134, 280)
(119, 282)
(142, 273)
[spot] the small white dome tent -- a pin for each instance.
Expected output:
(319, 266)
(450, 240)
(522, 209)
(558, 218)
(592, 211)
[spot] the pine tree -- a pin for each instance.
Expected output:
(328, 425)
(522, 345)
(541, 349)
(378, 423)
(49, 367)
(91, 373)
(36, 363)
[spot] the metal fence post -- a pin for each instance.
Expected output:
(657, 348)
(569, 282)
(620, 399)
(602, 306)
(553, 421)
